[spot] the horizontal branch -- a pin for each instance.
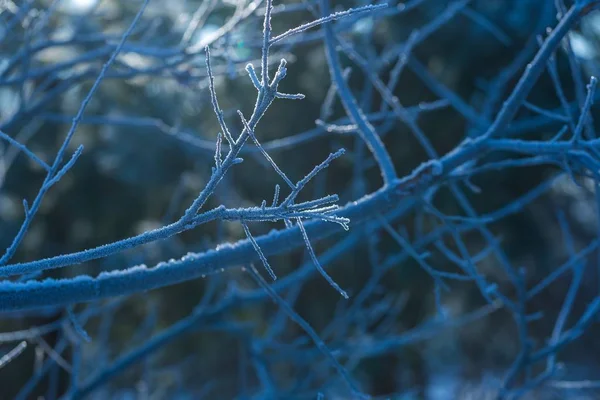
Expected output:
(401, 195)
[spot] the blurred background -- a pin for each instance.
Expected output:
(149, 134)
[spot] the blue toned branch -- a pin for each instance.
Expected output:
(438, 216)
(533, 71)
(367, 131)
(14, 353)
(56, 171)
(25, 150)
